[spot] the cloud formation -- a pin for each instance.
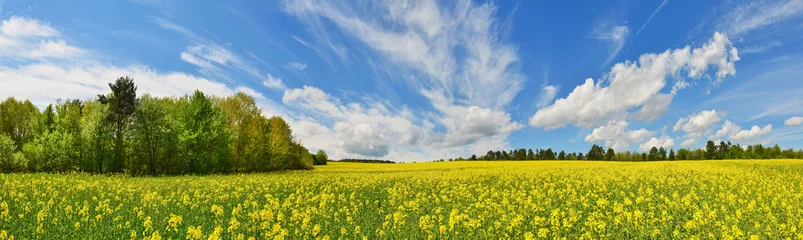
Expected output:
(793, 121)
(616, 135)
(631, 85)
(451, 54)
(664, 141)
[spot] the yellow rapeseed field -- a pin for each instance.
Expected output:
(468, 200)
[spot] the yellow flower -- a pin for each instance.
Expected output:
(148, 224)
(194, 233)
(217, 210)
(174, 222)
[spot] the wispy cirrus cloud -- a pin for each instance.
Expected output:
(421, 39)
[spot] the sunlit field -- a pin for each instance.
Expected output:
(474, 200)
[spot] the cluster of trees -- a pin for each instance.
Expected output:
(365, 160)
(122, 133)
(723, 150)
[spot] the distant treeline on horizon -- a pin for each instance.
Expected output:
(363, 160)
(712, 151)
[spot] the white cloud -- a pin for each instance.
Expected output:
(754, 15)
(425, 37)
(362, 139)
(793, 121)
(735, 132)
(274, 82)
(728, 129)
(449, 53)
(634, 84)
(615, 35)
(18, 26)
(297, 65)
(654, 107)
(689, 142)
(616, 135)
(752, 133)
(548, 94)
(698, 123)
(214, 60)
(664, 141)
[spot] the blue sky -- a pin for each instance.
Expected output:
(419, 80)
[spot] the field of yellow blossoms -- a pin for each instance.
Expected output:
(475, 200)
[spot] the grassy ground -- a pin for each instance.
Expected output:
(705, 199)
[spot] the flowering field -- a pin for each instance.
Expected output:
(706, 199)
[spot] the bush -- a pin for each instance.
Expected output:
(6, 153)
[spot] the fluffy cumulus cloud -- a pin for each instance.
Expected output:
(752, 133)
(735, 132)
(616, 135)
(699, 123)
(664, 141)
(793, 121)
(637, 85)
(450, 53)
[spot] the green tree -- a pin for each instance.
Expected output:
(610, 154)
(245, 126)
(321, 158)
(562, 155)
(280, 140)
(122, 104)
(711, 150)
(654, 154)
(18, 120)
(7, 148)
(154, 137)
(204, 139)
(97, 136)
(671, 154)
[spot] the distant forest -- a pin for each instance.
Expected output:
(365, 160)
(118, 132)
(723, 150)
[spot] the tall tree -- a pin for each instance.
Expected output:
(280, 140)
(122, 104)
(321, 158)
(154, 137)
(671, 154)
(711, 150)
(18, 120)
(610, 154)
(204, 139)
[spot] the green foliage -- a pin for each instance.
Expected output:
(723, 150)
(204, 139)
(7, 148)
(122, 104)
(154, 138)
(117, 132)
(19, 121)
(321, 158)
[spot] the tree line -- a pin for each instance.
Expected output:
(712, 151)
(365, 160)
(119, 132)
